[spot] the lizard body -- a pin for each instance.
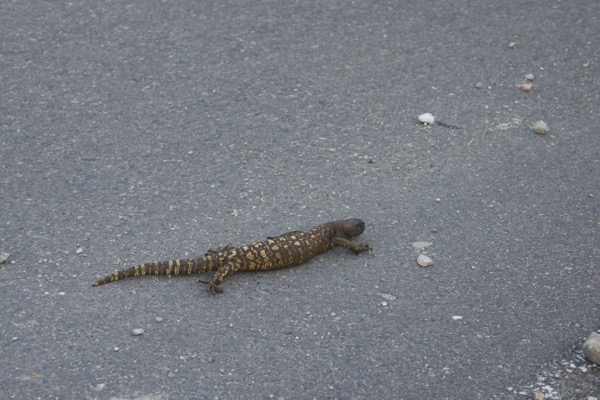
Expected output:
(287, 250)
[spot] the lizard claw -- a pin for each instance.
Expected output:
(212, 288)
(362, 247)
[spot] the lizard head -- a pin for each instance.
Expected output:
(348, 228)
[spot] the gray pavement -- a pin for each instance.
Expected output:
(153, 130)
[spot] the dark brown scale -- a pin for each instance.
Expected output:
(288, 250)
(210, 262)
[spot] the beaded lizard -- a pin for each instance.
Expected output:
(287, 250)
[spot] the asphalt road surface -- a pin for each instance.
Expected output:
(153, 130)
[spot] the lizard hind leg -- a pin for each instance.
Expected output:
(228, 269)
(211, 287)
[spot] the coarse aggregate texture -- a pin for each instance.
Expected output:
(141, 131)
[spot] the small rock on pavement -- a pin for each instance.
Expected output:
(541, 128)
(424, 261)
(426, 118)
(526, 87)
(591, 348)
(137, 332)
(538, 395)
(4, 257)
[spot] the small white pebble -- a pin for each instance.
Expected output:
(137, 332)
(541, 128)
(158, 319)
(529, 77)
(386, 296)
(99, 387)
(424, 261)
(512, 45)
(4, 257)
(526, 87)
(79, 250)
(426, 118)
(539, 395)
(456, 317)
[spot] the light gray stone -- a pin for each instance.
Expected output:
(424, 261)
(591, 348)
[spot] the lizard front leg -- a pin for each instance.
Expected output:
(357, 248)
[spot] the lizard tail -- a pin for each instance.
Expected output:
(170, 267)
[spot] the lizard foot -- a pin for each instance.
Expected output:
(359, 248)
(212, 288)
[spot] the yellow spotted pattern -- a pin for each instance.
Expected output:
(290, 249)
